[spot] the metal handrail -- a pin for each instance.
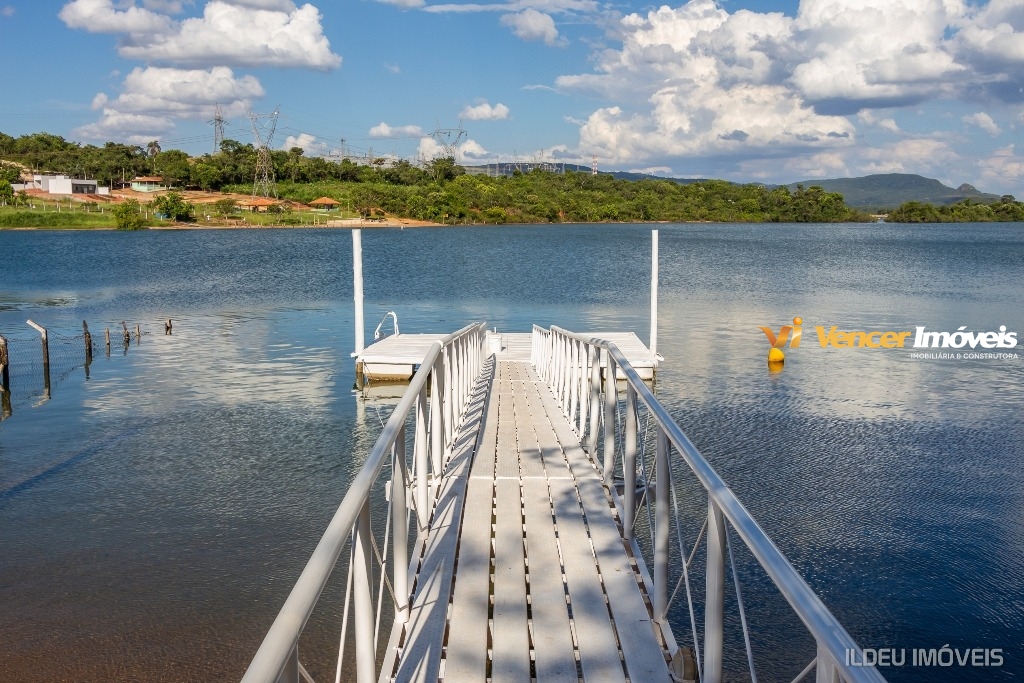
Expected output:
(571, 364)
(394, 321)
(447, 372)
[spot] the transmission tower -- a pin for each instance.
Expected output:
(218, 129)
(263, 125)
(449, 139)
(593, 165)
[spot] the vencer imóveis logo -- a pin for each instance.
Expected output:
(887, 339)
(775, 355)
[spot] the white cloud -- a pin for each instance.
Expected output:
(653, 170)
(152, 98)
(404, 4)
(485, 112)
(6, 11)
(1003, 171)
(383, 130)
(468, 151)
(100, 16)
(136, 129)
(236, 34)
(982, 121)
(532, 25)
(307, 143)
(695, 81)
(546, 6)
(392, 68)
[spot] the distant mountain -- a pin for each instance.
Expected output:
(889, 190)
(874, 192)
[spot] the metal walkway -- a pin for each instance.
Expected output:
(486, 534)
(534, 581)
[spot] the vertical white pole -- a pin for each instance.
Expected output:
(357, 278)
(654, 292)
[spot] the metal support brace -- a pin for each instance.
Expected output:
(421, 444)
(610, 397)
(362, 586)
(662, 507)
(629, 466)
(825, 671)
(715, 597)
(595, 399)
(399, 513)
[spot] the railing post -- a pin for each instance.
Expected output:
(421, 443)
(595, 399)
(446, 397)
(826, 670)
(291, 668)
(399, 514)
(438, 414)
(610, 398)
(574, 383)
(362, 587)
(629, 465)
(715, 597)
(662, 506)
(584, 393)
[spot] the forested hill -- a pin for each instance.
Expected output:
(889, 190)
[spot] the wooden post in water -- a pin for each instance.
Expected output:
(138, 334)
(108, 341)
(88, 342)
(46, 356)
(5, 381)
(5, 374)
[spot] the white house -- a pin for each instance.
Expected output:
(61, 184)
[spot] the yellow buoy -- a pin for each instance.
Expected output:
(776, 356)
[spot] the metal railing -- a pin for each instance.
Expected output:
(571, 365)
(436, 400)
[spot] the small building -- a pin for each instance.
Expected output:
(61, 184)
(148, 184)
(325, 203)
(257, 204)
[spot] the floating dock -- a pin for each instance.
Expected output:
(396, 358)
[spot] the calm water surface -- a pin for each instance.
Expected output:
(154, 516)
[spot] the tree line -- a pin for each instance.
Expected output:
(443, 191)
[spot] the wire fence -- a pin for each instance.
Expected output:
(31, 363)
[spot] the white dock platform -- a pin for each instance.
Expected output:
(396, 358)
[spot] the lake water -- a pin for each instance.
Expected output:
(154, 516)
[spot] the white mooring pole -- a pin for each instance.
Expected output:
(654, 293)
(357, 278)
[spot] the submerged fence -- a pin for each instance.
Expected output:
(30, 363)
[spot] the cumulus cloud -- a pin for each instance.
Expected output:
(695, 81)
(100, 16)
(237, 34)
(468, 151)
(152, 98)
(383, 130)
(307, 142)
(532, 25)
(983, 121)
(1003, 170)
(485, 112)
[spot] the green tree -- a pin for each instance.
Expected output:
(127, 216)
(174, 206)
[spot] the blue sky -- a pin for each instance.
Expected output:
(772, 91)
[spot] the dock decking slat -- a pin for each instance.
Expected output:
(511, 643)
(566, 602)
